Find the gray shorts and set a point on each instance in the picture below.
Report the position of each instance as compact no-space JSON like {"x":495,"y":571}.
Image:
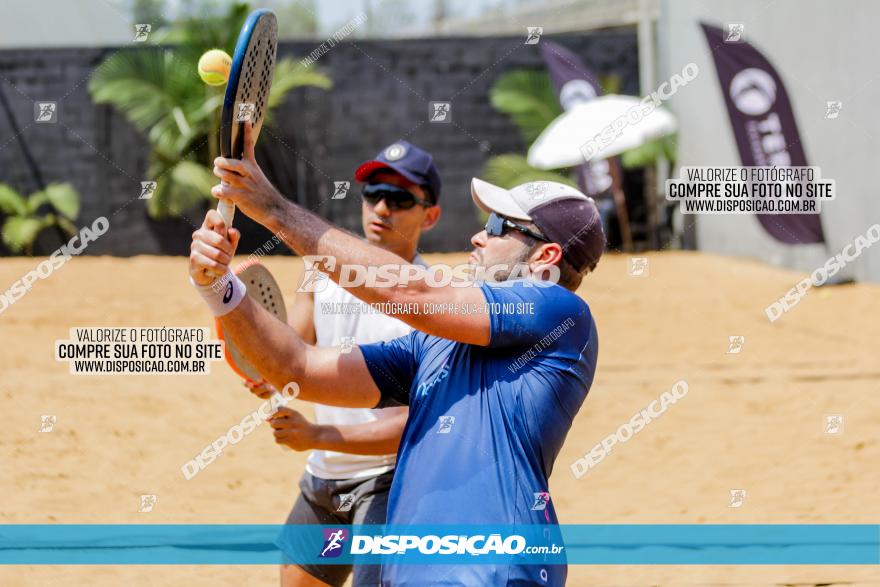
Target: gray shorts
{"x":319,"y":502}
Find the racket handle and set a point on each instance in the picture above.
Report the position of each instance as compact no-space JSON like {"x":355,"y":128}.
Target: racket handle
{"x":227,"y":212}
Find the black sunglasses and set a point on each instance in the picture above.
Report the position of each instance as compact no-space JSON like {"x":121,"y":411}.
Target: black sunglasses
{"x":396,"y":198}
{"x":498,"y":225}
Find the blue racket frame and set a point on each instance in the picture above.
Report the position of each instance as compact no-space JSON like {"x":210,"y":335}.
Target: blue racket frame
{"x":231,"y":145}
{"x":250,"y":80}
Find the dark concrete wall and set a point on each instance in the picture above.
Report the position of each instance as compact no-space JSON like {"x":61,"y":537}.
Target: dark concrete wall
{"x":381,"y":93}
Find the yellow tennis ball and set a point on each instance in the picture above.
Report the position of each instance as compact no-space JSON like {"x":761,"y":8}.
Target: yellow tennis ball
{"x":214,"y":67}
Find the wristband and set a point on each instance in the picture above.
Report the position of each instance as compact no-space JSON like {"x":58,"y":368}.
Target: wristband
{"x":224,"y":295}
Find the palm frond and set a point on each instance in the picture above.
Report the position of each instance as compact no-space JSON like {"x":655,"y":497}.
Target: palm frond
{"x":20,"y":232}
{"x":290,"y":74}
{"x":23,"y":222}
{"x":153,"y":87}
{"x":527,"y":96}
{"x":35,"y":200}
{"x":181,"y":188}
{"x":511,"y":170}
{"x":11,"y":202}
{"x":63,"y":198}
{"x":158,"y":90}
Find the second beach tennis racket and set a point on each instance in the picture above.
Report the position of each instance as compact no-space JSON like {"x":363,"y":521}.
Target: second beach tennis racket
{"x":262,"y":287}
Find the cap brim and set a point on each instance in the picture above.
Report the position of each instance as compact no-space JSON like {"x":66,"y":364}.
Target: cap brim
{"x":367,"y":169}
{"x":492,"y":198}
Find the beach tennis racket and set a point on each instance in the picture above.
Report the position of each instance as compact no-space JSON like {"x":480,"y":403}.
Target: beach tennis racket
{"x":247,"y":90}
{"x":264,"y":290}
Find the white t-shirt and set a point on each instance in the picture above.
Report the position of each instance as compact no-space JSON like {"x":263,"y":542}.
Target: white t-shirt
{"x":339,"y":315}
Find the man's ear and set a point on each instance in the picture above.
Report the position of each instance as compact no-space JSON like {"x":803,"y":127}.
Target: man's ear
{"x":547,"y":254}
{"x":432,"y":217}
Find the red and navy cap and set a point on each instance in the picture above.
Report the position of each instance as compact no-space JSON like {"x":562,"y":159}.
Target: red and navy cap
{"x":562,"y":214}
{"x":409,"y":161}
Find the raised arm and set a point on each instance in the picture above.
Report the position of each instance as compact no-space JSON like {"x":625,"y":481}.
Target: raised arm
{"x":275,"y":349}
{"x":292,"y":429}
{"x":308,"y":234}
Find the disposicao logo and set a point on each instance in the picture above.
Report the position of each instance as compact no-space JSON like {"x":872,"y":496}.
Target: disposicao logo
{"x":333,"y":542}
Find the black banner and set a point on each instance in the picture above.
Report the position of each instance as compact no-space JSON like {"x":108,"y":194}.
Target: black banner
{"x":763,"y":124}
{"x":574,"y":84}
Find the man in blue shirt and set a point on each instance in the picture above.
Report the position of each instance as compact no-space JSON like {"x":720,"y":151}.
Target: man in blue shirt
{"x":493,"y":381}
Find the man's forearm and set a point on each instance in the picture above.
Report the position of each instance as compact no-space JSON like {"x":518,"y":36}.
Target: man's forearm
{"x":275,"y":350}
{"x":308,"y":234}
{"x":245,"y":184}
{"x":380,"y":437}
{"x":271,"y":346}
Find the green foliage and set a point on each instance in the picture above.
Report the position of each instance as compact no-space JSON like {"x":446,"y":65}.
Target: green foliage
{"x":647,"y":154}
{"x":510,"y":170}
{"x":288,"y":75}
{"x":527,"y":96}
{"x":62,"y":197}
{"x":182,"y":187}
{"x":24,"y":223}
{"x":163,"y":100}
{"x":159,"y":91}
{"x":11,"y":202}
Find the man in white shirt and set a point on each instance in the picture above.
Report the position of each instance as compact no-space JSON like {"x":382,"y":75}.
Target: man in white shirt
{"x":349,"y":471}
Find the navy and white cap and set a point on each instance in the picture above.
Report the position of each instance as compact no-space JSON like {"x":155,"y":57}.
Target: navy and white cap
{"x":562,"y":214}
{"x":411,"y":162}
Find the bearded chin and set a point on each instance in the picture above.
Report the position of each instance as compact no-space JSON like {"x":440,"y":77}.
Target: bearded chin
{"x":515,"y":268}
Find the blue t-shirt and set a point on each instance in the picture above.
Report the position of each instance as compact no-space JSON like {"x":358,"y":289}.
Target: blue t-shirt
{"x":486,"y":423}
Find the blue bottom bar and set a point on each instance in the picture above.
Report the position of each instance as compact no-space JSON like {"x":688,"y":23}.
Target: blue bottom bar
{"x":235,"y":544}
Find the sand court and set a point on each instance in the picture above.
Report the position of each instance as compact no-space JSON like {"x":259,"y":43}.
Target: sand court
{"x":753,"y":419}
